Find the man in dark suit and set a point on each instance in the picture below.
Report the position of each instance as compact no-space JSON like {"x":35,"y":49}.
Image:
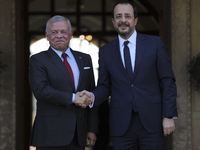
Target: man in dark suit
{"x":59,"y":123}
{"x":136,"y":72}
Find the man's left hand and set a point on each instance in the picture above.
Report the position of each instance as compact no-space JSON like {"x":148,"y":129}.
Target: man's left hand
{"x":168,"y":126}
{"x":91,"y":139}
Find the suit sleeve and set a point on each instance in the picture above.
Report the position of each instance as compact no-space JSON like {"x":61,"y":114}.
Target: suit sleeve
{"x":167,"y":80}
{"x":41,"y":87}
{"x":102,"y":92}
{"x":92,"y":112}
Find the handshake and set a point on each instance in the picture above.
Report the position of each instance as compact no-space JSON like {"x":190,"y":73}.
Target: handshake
{"x":83,"y":99}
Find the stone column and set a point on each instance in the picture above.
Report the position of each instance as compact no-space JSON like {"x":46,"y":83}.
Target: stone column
{"x":7,"y":79}
{"x":181,"y":51}
{"x":195,"y":48}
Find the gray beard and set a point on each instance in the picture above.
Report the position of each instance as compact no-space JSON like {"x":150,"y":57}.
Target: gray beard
{"x":124,"y":34}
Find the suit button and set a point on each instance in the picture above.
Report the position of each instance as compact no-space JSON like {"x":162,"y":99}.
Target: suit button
{"x":130,"y":101}
{"x":132,"y":85}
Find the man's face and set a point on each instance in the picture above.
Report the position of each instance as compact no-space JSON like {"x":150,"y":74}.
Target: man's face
{"x":59,"y":35}
{"x":124,"y":21}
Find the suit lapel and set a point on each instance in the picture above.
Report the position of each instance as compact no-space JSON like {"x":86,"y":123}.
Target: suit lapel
{"x":58,"y":62}
{"x":79,"y":62}
{"x":140,"y":49}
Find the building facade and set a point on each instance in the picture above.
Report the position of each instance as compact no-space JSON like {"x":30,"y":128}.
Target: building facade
{"x":178,"y":25}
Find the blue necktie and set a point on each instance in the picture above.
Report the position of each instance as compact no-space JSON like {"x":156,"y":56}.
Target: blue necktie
{"x":127,"y":59}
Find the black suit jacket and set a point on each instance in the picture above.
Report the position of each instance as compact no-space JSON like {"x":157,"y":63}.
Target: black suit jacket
{"x":152,"y":85}
{"x":57,"y":117}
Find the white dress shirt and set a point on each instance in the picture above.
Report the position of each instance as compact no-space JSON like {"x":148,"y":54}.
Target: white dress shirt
{"x":132,"y":47}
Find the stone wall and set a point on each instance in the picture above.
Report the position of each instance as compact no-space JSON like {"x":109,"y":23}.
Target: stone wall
{"x":7,"y":79}
{"x":185,"y":43}
{"x":195,"y":48}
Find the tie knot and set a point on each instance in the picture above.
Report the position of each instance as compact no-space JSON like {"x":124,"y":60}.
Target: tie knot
{"x":126,"y":43}
{"x":64,"y":55}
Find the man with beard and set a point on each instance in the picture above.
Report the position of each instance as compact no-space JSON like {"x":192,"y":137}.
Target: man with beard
{"x":135,"y":70}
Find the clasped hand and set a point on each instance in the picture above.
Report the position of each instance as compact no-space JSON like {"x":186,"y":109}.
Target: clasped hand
{"x":83,"y":99}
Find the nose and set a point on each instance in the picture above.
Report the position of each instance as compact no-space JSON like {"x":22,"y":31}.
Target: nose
{"x":59,"y":34}
{"x":123,"y":19}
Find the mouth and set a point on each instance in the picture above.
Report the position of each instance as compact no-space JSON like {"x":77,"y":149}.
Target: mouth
{"x":59,"y":41}
{"x":123,"y":25}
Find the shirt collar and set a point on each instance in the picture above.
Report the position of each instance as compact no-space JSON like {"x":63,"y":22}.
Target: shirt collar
{"x":59,"y":53}
{"x":131,"y":39}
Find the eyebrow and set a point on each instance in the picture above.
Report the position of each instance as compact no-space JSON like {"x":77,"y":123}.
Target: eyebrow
{"x":122,"y":14}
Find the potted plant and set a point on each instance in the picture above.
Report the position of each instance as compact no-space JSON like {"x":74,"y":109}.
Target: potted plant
{"x":194,"y":71}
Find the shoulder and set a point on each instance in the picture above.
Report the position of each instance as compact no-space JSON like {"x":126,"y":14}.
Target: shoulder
{"x":40,"y":54}
{"x":74,"y":52}
{"x":109,"y":47}
{"x":148,"y":37}
{"x":110,"y":44}
{"x":81,"y":55}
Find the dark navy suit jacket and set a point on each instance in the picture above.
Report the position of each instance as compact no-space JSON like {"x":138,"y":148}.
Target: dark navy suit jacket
{"x":57,"y":117}
{"x":152,"y":85}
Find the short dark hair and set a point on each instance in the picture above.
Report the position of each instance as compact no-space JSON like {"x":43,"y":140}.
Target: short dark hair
{"x":125,"y":3}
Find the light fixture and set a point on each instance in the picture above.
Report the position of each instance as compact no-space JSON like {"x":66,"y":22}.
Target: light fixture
{"x":89,"y":38}
{"x":81,"y":37}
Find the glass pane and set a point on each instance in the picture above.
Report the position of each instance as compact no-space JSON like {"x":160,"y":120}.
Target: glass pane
{"x":65,"y":5}
{"x":72,"y":19}
{"x":91,"y":23}
{"x":38,"y":22}
{"x":39,"y":5}
{"x":90,"y":5}
{"x":110,"y":4}
{"x":109,"y":24}
{"x":146,"y":23}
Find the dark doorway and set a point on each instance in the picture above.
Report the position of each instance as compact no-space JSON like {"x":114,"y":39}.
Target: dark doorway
{"x":87,"y":18}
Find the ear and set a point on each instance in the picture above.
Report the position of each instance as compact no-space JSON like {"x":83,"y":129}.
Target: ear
{"x":71,"y":34}
{"x":136,"y":20}
{"x":113,"y":21}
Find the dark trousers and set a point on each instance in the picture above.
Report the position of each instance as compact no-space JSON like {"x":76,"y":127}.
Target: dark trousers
{"x":138,"y":138}
{"x":72,"y":146}
{"x":103,"y":127}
